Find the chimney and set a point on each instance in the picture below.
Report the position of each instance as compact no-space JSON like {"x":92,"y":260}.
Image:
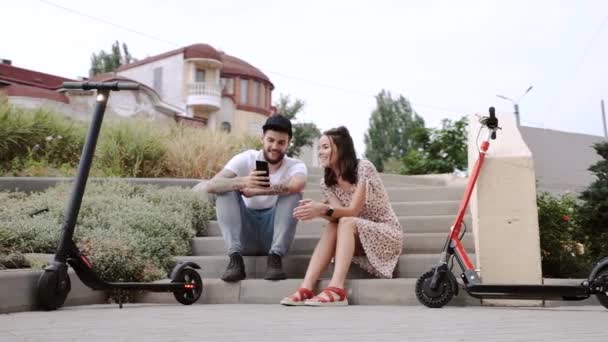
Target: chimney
{"x":5,"y":61}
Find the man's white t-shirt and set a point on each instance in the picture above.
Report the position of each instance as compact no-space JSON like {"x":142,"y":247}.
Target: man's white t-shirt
{"x":243,"y":163}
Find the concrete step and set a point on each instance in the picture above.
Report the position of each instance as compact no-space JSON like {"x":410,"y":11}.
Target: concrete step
{"x":313,"y":181}
{"x":409,"y":266}
{"x":410,"y":224}
{"x":426,"y":208}
{"x":412,"y":194}
{"x":259,"y":291}
{"x":433,"y":179}
{"x":305,"y":244}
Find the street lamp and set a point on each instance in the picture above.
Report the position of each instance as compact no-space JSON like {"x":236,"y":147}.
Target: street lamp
{"x":515,"y":103}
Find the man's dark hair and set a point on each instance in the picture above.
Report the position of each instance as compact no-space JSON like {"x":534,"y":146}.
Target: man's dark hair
{"x":279,"y":123}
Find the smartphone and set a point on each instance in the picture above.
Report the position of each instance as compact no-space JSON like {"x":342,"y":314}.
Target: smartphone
{"x":261,"y":165}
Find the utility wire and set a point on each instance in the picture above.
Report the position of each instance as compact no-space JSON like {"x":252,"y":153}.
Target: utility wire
{"x":319,"y":84}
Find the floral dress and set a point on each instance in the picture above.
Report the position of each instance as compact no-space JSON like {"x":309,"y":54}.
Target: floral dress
{"x":378,"y":227}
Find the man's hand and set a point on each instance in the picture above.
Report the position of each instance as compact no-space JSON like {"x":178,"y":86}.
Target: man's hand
{"x":309,"y":209}
{"x":251,"y":192}
{"x":256,"y":180}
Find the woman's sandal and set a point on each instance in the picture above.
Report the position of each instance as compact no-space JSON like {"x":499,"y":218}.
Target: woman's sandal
{"x":330,"y":293}
{"x":292,"y":300}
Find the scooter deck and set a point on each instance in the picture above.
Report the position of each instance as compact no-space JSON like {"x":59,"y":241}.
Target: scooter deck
{"x":524,"y":291}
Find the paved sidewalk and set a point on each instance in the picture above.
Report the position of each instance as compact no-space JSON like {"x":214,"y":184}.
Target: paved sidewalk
{"x":149,"y":322}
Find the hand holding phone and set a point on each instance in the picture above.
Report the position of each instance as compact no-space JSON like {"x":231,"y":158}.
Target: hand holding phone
{"x":262,"y":166}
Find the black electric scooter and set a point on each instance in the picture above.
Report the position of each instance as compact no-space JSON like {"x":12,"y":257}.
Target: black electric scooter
{"x":436,"y":287}
{"x":54,"y":283}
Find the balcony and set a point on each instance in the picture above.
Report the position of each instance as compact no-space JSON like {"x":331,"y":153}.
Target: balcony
{"x":204,"y":94}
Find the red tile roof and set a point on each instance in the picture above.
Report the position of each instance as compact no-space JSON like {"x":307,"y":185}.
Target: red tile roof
{"x":191,"y":51}
{"x":237,"y":67}
{"x":13,"y":74}
{"x":36,"y":92}
{"x":232,"y":66}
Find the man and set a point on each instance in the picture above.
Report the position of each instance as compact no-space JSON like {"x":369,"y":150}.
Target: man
{"x":255,"y":212}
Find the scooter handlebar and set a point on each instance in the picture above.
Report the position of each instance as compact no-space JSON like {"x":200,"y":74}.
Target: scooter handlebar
{"x":114,"y":85}
{"x":491,"y":122}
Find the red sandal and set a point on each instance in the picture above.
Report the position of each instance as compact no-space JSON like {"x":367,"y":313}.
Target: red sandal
{"x":305,"y":294}
{"x":329,"y":293}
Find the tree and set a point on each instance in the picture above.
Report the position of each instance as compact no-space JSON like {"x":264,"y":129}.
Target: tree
{"x":106,"y":62}
{"x":304,"y":133}
{"x":440,"y":150}
{"x":594,"y":207}
{"x":392,"y":127}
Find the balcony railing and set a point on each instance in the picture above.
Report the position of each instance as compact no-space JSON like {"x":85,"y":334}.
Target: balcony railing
{"x":204,"y":88}
{"x":204,"y":94}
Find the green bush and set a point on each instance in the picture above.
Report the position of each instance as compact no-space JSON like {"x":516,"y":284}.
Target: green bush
{"x":131,"y":148}
{"x":563,"y":240}
{"x":44,"y":143}
{"x":37,"y":137}
{"x":130,"y":232}
{"x":594,"y":208}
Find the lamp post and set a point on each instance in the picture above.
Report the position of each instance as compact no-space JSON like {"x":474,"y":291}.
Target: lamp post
{"x":515,"y":103}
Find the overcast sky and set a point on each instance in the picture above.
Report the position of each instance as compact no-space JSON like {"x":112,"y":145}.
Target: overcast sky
{"x":449,"y":58}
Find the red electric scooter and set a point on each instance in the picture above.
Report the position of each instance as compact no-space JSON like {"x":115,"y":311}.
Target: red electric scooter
{"x":437,"y":287}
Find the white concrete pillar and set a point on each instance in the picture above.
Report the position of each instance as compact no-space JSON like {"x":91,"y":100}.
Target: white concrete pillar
{"x":503,"y":208}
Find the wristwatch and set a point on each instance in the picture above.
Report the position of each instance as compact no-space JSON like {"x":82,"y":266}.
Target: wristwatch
{"x":329,"y":211}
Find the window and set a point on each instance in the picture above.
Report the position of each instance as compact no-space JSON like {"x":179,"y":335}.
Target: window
{"x":158,"y":80}
{"x":199,"y":76}
{"x":225,"y":127}
{"x":262,"y":95}
{"x":243,"y":91}
{"x":256,"y":87}
{"x":228,"y":85}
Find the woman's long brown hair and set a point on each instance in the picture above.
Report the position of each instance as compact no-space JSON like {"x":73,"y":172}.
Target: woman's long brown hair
{"x":347,"y":158}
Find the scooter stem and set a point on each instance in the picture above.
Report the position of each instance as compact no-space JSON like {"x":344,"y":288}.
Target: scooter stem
{"x":86,"y":158}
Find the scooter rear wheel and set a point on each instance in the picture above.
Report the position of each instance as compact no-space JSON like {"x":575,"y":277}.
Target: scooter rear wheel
{"x":189,"y":295}
{"x":53,"y":288}
{"x":602,"y":297}
{"x":434,"y":298}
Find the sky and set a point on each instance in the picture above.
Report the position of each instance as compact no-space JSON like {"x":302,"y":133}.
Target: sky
{"x":448,"y":58}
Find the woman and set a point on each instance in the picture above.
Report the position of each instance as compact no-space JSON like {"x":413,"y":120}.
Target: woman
{"x":362,"y":227}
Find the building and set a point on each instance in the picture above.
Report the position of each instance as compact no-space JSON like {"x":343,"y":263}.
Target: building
{"x":561,"y":159}
{"x":196,"y":84}
{"x":211,"y":87}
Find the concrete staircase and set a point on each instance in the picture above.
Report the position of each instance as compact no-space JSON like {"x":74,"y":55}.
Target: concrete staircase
{"x":426,"y":206}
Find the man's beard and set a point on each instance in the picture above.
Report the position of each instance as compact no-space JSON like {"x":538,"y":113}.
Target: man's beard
{"x":273,"y":161}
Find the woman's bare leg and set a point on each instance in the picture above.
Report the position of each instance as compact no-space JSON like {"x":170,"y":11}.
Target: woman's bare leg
{"x":320,"y":258}
{"x":345,"y":250}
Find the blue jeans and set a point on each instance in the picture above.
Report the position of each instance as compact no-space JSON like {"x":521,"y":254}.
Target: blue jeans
{"x":256,"y":232}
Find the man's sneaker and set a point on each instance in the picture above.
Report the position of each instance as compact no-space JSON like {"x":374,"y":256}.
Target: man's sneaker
{"x":235,"y":270}
{"x":274,"y":268}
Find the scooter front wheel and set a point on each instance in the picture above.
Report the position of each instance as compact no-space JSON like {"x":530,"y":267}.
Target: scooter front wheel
{"x":434,"y":298}
{"x":53,"y":287}
{"x":192,"y":289}
{"x":602,"y":297}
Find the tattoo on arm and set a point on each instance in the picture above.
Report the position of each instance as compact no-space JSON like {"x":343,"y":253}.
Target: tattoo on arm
{"x":280,"y":188}
{"x":224,"y":181}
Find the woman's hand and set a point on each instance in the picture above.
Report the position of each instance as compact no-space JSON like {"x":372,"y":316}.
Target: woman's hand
{"x":309,"y":209}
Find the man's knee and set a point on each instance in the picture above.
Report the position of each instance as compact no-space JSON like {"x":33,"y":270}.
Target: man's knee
{"x":290,"y":200}
{"x":227,"y":197}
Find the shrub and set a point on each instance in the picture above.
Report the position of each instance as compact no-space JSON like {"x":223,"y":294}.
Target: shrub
{"x":131,"y":148}
{"x":130,"y":232}
{"x":43,"y":143}
{"x":594,"y":208}
{"x":563,"y":241}
{"x":196,"y":153}
{"x":37,"y":136}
